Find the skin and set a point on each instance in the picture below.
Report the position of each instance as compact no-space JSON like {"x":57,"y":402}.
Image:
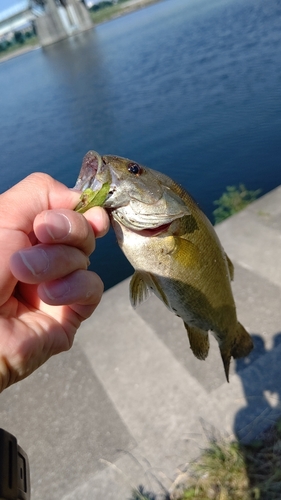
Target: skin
{"x":46,"y":290}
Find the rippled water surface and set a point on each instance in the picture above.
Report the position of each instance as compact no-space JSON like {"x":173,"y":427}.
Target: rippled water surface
{"x":188,"y":87}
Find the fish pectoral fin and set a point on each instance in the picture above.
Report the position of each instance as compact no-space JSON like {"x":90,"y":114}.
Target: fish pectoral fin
{"x":198,"y":340}
{"x":186,"y":253}
{"x":139,"y":290}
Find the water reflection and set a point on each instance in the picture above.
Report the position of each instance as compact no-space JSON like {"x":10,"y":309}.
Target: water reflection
{"x":83,"y":88}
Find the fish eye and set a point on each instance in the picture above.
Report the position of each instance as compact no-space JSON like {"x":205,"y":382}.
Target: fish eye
{"x":134,"y":168}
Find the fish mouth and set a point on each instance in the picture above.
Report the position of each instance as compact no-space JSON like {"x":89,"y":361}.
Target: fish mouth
{"x":153,"y":231}
{"x":94,"y":165}
{"x":90,"y":166}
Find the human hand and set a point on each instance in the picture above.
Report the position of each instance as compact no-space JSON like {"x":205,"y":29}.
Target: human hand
{"x":46,"y":290}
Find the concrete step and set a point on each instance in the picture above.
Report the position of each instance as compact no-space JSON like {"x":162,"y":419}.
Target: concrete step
{"x":252,"y":238}
{"x":225,"y":410}
{"x":129,"y":404}
{"x":161,"y":374}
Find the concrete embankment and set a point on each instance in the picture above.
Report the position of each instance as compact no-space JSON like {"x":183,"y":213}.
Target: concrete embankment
{"x":129,"y":404}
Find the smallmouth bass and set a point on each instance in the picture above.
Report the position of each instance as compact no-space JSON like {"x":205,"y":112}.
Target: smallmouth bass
{"x":174,"y":250}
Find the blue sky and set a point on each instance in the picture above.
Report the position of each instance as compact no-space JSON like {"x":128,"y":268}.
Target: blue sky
{"x":5,"y":4}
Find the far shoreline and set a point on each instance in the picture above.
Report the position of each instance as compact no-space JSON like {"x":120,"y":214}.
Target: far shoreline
{"x":127,"y":8}
{"x":19,"y":52}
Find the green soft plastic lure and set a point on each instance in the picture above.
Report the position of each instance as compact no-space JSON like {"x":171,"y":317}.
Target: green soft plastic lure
{"x":90,"y":198}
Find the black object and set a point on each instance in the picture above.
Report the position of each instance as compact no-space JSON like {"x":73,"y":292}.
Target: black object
{"x":14,"y":469}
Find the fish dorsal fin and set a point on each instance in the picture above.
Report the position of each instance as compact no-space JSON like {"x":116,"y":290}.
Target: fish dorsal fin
{"x":139,"y":291}
{"x":230,"y":267}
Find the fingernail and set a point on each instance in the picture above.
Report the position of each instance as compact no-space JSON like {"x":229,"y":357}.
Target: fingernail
{"x":58,"y":225}
{"x":56,"y":289}
{"x":35,"y":259}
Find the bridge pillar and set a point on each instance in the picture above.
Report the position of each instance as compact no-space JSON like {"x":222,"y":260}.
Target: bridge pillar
{"x":58,"y":22}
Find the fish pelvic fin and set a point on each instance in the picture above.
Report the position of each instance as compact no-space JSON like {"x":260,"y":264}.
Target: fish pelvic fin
{"x":242,"y":347}
{"x":198,"y":340}
{"x":142,"y":285}
{"x":139,"y":290}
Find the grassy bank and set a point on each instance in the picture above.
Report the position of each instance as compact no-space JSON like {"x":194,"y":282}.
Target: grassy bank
{"x":17,"y":49}
{"x":101,"y":15}
{"x":228,"y":470}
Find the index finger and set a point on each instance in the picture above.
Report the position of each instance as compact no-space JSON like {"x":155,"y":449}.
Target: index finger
{"x":71,"y":228}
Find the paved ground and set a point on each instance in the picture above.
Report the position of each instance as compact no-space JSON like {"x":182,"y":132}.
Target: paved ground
{"x":130,"y":405}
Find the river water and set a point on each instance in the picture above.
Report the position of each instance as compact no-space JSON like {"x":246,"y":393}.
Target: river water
{"x":188,"y":87}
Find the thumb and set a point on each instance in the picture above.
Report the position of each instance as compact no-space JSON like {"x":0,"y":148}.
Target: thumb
{"x":37,"y":192}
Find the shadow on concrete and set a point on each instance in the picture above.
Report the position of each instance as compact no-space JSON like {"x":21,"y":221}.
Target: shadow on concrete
{"x":255,"y":425}
{"x":259,"y":439}
{"x":262,"y":391}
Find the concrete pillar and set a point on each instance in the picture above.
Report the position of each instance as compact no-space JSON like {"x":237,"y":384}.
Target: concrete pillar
{"x":60,"y":22}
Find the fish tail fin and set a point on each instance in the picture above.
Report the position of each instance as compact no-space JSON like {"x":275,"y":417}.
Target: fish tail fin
{"x":226,"y":357}
{"x":242,"y":347}
{"x":198,"y":340}
{"x":243,"y":343}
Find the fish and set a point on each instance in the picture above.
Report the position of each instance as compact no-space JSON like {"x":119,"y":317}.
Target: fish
{"x":174,"y":250}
